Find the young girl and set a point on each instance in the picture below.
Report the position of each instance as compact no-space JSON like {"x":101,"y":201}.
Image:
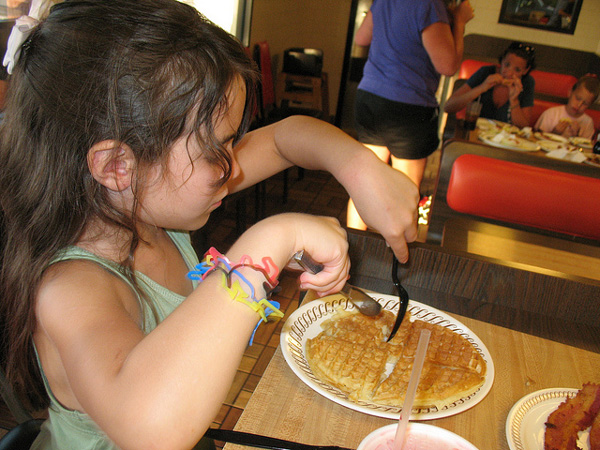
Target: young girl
{"x":124,"y":130}
{"x":506,"y":90}
{"x":570,"y":120}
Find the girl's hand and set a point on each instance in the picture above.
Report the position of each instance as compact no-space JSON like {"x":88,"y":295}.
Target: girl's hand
{"x":387,"y":201}
{"x":280,"y":236}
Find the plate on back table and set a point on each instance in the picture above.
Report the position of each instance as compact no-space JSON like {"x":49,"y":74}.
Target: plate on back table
{"x":550,"y":137}
{"x":305,"y":323}
{"x":581,"y":142}
{"x":509,"y":141}
{"x":549,"y":146}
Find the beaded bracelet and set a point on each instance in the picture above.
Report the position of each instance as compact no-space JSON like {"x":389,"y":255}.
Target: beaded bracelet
{"x":214,"y":261}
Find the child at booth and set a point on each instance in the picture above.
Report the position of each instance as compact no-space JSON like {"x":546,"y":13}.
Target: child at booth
{"x":570,"y":120}
{"x":125,"y":127}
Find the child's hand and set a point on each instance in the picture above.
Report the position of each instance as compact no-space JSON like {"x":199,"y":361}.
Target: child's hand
{"x":325,"y":240}
{"x":280,"y":236}
{"x":387,"y":201}
{"x":573,"y":129}
{"x":563,"y":128}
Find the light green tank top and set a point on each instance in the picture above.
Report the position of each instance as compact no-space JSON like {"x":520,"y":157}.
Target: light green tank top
{"x":66,"y":429}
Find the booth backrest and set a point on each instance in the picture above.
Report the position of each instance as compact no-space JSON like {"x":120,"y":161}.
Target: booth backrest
{"x":469,"y":66}
{"x":595,"y":115}
{"x":555,"y":84}
{"x":526,"y":195}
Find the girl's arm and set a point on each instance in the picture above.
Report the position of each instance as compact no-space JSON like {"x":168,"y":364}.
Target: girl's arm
{"x":162,"y":390}
{"x":385,"y":198}
{"x":445,"y":45}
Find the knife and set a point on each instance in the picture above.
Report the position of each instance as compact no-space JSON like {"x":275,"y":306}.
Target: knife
{"x":257,"y":440}
{"x":363,"y":301}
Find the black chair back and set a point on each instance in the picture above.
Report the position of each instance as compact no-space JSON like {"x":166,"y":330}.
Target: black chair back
{"x":22,"y":436}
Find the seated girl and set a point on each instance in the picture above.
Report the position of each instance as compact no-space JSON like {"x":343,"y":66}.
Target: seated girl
{"x":505,"y":90}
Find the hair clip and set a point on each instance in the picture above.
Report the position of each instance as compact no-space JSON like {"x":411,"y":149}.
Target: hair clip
{"x":23,"y":27}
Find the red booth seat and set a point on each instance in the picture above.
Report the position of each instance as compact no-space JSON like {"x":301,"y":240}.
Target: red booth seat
{"x":526,"y":195}
{"x":555,"y":84}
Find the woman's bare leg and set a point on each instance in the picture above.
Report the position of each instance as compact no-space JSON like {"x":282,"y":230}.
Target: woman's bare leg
{"x":353,"y":219}
{"x":412,"y":168}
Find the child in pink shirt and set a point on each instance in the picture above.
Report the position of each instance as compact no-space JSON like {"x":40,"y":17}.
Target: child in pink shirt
{"x":570,"y":120}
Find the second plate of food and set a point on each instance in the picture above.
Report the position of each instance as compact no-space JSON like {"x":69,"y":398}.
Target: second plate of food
{"x":305,"y":324}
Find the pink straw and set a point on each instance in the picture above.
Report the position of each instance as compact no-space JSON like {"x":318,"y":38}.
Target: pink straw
{"x":411,"y":391}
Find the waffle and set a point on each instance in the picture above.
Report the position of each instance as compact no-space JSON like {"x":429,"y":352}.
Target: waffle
{"x":351,"y":354}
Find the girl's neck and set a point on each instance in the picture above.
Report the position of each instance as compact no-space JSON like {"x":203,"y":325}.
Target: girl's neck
{"x":112,"y":242}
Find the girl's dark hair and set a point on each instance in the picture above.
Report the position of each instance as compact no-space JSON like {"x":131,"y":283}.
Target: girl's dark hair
{"x":135,"y":71}
{"x":525,"y":51}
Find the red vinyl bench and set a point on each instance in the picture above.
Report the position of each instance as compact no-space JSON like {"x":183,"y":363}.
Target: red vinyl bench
{"x":526,"y":195}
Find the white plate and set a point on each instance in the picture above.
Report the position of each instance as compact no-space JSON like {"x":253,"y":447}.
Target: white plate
{"x":581,"y":142}
{"x":525,"y":424}
{"x":592,"y":159}
{"x":487,"y":125}
{"x":305,"y":323}
{"x":548,"y":146}
{"x":554,"y":137}
{"x":514,"y":143}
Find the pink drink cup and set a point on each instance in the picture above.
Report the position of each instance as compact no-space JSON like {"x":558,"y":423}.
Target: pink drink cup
{"x":419,"y":436}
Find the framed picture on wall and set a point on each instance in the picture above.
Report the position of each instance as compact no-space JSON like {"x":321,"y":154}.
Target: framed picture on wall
{"x":552,"y":15}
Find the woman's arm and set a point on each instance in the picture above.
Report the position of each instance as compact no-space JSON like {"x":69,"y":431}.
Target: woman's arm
{"x":385,"y":198}
{"x":364,"y":34}
{"x":519,"y":116}
{"x":445,"y":45}
{"x":465,"y":94}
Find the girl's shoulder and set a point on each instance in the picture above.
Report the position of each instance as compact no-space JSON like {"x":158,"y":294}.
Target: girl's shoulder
{"x":81,"y":281}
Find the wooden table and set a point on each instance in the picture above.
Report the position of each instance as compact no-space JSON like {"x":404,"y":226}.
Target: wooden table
{"x":283,"y":406}
{"x":462,"y":133}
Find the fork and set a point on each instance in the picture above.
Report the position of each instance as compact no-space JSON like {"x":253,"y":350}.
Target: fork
{"x":402,"y":295}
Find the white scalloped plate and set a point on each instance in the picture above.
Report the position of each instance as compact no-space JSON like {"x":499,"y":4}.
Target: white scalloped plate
{"x":525,"y":424}
{"x":305,"y":323}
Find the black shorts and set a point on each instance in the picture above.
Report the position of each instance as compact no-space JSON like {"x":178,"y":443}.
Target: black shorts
{"x":408,"y":131}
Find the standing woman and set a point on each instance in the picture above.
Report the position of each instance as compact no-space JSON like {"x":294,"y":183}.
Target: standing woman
{"x":411,"y":45}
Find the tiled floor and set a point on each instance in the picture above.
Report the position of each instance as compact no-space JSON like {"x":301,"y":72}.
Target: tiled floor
{"x":316,"y":193}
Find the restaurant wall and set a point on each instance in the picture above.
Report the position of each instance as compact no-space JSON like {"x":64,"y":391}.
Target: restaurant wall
{"x":586,"y":36}
{"x":308,"y":23}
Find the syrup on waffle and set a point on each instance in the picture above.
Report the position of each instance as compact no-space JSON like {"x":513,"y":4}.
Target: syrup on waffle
{"x":352,"y":355}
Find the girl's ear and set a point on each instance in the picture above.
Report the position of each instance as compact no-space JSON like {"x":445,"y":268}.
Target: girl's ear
{"x":111,"y":163}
